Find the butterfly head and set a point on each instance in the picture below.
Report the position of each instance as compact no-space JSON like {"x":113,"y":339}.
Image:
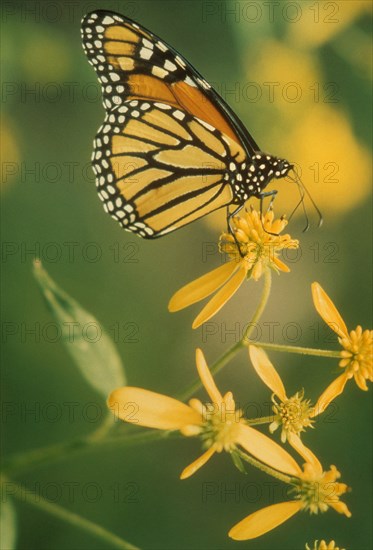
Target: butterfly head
{"x":262,"y":169}
{"x":282,"y":168}
{"x":268,"y":167}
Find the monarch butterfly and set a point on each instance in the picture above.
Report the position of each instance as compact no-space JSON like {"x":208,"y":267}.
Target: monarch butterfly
{"x":170,"y":150}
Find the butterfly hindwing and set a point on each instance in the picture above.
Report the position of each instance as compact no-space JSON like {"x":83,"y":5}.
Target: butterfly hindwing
{"x":158,"y":168}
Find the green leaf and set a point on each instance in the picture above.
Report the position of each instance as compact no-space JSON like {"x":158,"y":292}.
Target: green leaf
{"x":8,"y":525}
{"x":91,"y":348}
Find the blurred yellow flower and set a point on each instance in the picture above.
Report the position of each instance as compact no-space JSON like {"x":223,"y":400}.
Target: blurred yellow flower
{"x":9,"y":150}
{"x":322,"y":545}
{"x":315,"y":491}
{"x":219,"y":424}
{"x":259,"y":243}
{"x":357,"y":356}
{"x":303,"y":122}
{"x":333,"y":165}
{"x":284,"y":88}
{"x":320,"y":22}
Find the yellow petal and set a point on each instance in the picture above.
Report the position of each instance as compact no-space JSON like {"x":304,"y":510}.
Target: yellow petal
{"x":150,"y":409}
{"x":327,"y":310}
{"x":202,"y":287}
{"x":197,"y":464}
{"x":332,"y":391}
{"x":280,"y":265}
{"x":267,"y":371}
{"x":264,"y":520}
{"x":207,"y":379}
{"x":266,"y":450}
{"x":221,"y":297}
{"x":197,"y":405}
{"x":340,"y":507}
{"x":305,"y":452}
{"x":360,"y":381}
{"x":229,"y":404}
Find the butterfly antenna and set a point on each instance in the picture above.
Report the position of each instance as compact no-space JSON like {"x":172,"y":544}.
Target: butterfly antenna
{"x":304,"y":191}
{"x":302,"y":195}
{"x":298,"y":204}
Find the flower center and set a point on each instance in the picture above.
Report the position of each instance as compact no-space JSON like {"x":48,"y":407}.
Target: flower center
{"x":257,"y":242}
{"x":357,"y":354}
{"x":220,"y":426}
{"x":318,"y":491}
{"x":293,"y":415}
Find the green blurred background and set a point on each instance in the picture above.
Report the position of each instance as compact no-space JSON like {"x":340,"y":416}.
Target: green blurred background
{"x":298,"y":74}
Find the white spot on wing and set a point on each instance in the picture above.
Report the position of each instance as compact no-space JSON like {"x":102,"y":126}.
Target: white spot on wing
{"x":107,"y":20}
{"x":160,"y":73}
{"x":145,"y":53}
{"x":206,"y":125}
{"x":147,"y":43}
{"x":179,"y":115}
{"x":169,"y":66}
{"x":162,"y":46}
{"x":189,"y":81}
{"x":114,"y":77}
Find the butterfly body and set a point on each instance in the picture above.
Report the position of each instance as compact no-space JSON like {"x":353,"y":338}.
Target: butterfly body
{"x":170,"y":149}
{"x":250,"y":180}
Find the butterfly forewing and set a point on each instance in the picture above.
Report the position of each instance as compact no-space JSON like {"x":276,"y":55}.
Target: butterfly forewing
{"x":131,"y":62}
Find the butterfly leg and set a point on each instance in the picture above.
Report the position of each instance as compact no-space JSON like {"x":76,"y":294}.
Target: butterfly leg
{"x":262,"y":196}
{"x":228,"y":225}
{"x":230,"y":216}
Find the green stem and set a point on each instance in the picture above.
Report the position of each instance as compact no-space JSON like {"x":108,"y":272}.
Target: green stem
{"x":53,"y":452}
{"x":262,"y":304}
{"x":259,"y":421}
{"x":263,"y":467}
{"x":25,"y":495}
{"x":231,"y":352}
{"x":297,"y":349}
{"x":24,"y":461}
{"x":216,"y":367}
{"x":107,"y":425}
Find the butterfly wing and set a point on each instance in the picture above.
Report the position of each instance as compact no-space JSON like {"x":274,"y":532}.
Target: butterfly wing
{"x":162,"y":156}
{"x":165,"y":168}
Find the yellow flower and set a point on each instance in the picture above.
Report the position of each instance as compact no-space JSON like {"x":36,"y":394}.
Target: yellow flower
{"x":315,"y":491}
{"x":219,"y":424}
{"x":259,"y":243}
{"x":356,"y":357}
{"x":294,"y":414}
{"x":322,"y":545}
